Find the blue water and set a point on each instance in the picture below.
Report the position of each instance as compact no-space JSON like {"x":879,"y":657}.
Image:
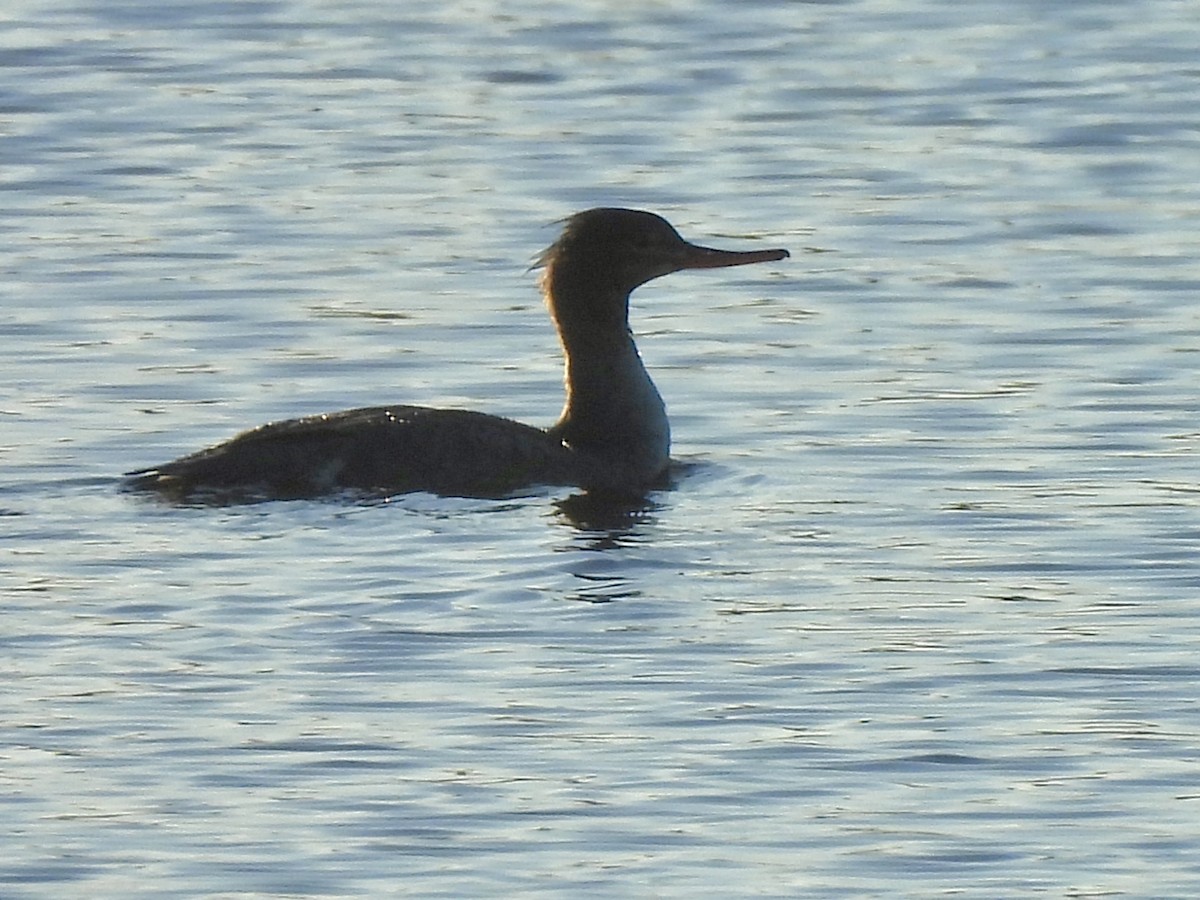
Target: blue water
{"x":919,"y":616}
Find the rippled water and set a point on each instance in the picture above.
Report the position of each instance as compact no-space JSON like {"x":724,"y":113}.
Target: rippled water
{"x":920,"y":613}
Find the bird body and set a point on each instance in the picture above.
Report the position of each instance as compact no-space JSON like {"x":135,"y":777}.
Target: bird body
{"x":613,"y":435}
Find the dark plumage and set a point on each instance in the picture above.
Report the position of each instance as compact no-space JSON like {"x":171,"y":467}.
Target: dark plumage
{"x":612,"y":436}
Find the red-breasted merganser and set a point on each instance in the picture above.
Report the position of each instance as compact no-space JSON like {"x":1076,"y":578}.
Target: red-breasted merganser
{"x":612,"y":437}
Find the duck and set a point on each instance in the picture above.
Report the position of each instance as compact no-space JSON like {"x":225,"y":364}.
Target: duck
{"x":612,"y":438}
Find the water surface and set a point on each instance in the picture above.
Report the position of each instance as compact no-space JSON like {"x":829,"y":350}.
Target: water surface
{"x":919,"y":614}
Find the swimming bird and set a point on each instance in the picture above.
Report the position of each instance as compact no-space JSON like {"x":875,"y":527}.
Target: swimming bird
{"x":612,"y":437}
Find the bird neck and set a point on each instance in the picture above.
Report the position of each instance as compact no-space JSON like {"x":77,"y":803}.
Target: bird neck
{"x":613,"y":410}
